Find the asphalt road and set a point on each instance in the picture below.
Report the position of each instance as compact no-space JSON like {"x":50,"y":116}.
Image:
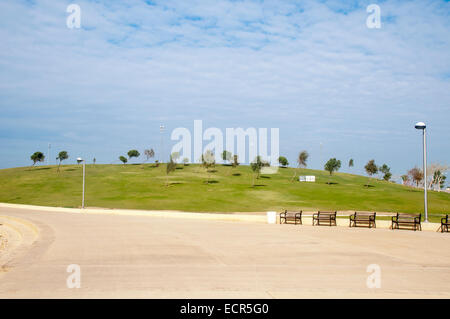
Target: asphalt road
{"x":154,"y":257}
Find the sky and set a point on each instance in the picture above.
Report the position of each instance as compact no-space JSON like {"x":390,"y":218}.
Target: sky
{"x":313,"y":69}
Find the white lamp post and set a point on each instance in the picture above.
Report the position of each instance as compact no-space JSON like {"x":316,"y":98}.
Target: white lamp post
{"x":79,"y":160}
{"x":422,"y":126}
{"x":161,"y":153}
{"x":48,"y":155}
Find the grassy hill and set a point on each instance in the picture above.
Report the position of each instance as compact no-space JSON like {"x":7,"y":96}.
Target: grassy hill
{"x":230,"y":190}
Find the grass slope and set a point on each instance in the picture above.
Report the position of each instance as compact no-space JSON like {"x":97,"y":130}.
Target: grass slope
{"x":143,"y":187}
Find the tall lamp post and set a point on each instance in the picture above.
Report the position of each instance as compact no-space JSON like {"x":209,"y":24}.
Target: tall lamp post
{"x":79,"y":160}
{"x":161,"y":154}
{"x":422,"y":126}
{"x":48,"y":155}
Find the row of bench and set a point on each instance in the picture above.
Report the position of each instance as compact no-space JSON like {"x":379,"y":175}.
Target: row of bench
{"x":359,"y":219}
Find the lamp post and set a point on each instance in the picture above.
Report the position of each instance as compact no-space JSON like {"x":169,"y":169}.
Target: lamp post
{"x":422,"y":126}
{"x":161,"y":154}
{"x":48,"y":155}
{"x":79,"y":160}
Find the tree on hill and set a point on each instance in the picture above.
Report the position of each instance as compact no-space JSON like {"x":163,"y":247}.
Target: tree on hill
{"x":371,"y":169}
{"x":256,"y":166}
{"x":416,"y":175}
{"x":61,"y":157}
{"x":350,"y":163}
{"x":405,"y":179}
{"x":208,"y":162}
{"x":386,"y":170}
{"x":333,"y":165}
{"x":439,"y":180}
{"x":302,"y":158}
{"x":235,"y":161}
{"x":123,"y":159}
{"x":175,"y":156}
{"x":283,"y":161}
{"x":133,"y":153}
{"x":171,"y":166}
{"x":436,"y":175}
{"x":226,"y":156}
{"x":149,"y":153}
{"x":37,"y":157}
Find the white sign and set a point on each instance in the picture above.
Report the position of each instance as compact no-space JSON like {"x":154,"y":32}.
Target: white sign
{"x":307,"y":178}
{"x":271,"y":217}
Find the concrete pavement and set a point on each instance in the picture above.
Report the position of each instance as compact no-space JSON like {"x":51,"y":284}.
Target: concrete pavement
{"x":156,"y":257}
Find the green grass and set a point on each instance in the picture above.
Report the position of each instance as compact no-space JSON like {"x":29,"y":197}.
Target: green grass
{"x":143,"y":187}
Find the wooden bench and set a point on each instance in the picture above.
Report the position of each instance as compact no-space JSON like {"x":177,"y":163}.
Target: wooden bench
{"x":444,"y":224}
{"x":327,"y":218}
{"x":363,"y":220}
{"x":407,"y":221}
{"x":291,"y":217}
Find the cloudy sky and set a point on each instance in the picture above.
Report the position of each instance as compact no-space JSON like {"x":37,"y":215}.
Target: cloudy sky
{"x":313,"y":69}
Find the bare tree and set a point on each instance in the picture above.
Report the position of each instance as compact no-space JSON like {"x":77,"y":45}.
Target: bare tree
{"x":416,"y":175}
{"x":149,"y":153}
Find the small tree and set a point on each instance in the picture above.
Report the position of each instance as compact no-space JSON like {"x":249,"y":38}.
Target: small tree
{"x":175,"y":156}
{"x":416,"y":175}
{"x":436,"y":173}
{"x":301,"y":161}
{"x":256,"y":166}
{"x":386,"y":172}
{"x":61,"y":157}
{"x":226,"y":156}
{"x":235,"y":161}
{"x":333,"y":165}
{"x":171,"y":166}
{"x":283,"y":161}
{"x":133,"y":153}
{"x":350,"y":163}
{"x":405,"y":179}
{"x":371,"y":169}
{"x":439,"y":180}
{"x":149,"y":153}
{"x":123,"y":159}
{"x":208,"y":161}
{"x":94,"y":160}
{"x":37,"y":157}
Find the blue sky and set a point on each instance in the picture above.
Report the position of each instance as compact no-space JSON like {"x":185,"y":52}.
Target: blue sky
{"x":311,"y":68}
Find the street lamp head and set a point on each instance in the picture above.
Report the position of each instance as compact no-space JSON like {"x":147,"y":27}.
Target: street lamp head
{"x":420,"y":126}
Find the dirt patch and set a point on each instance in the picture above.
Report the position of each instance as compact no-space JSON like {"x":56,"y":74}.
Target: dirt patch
{"x":3,"y":242}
